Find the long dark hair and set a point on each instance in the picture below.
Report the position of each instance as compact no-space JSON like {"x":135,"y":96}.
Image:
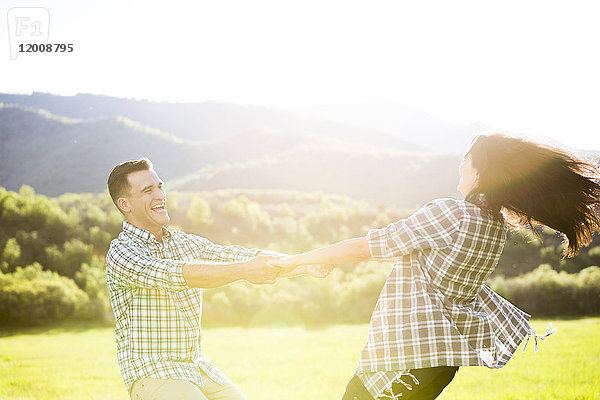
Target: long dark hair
{"x":534,"y":184}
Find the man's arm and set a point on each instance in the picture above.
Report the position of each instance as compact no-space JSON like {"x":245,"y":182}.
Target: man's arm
{"x":216,"y":252}
{"x":132,"y":267}
{"x":205,"y":275}
{"x":207,"y":250}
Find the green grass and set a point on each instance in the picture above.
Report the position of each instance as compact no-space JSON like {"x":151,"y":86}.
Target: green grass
{"x":280,"y":363}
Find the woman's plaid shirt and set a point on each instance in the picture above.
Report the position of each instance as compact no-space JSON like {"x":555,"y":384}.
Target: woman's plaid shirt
{"x":157,"y":315}
{"x":434,"y":309}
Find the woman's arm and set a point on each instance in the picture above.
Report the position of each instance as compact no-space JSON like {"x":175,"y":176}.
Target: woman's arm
{"x":347,"y":251}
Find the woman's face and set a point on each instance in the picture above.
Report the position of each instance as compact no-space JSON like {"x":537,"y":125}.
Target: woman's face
{"x":468,"y":175}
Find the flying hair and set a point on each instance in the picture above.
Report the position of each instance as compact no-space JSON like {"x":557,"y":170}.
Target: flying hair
{"x":534,"y":184}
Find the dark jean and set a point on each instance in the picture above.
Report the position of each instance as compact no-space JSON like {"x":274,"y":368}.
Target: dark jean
{"x":431,"y":383}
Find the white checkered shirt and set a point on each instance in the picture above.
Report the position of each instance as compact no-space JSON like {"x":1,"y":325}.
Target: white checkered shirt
{"x":157,"y":314}
{"x":434,"y":309}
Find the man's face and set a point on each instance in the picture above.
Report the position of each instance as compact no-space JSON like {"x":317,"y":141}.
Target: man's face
{"x":145,"y":206}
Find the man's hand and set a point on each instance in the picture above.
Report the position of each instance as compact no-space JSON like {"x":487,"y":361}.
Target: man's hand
{"x":258,"y":271}
{"x":286,"y":264}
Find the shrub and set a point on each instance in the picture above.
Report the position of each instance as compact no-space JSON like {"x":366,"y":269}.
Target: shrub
{"x":545,"y":292}
{"x":343,"y":297}
{"x":91,"y":278}
{"x":31,"y":296}
{"x":68,"y":260}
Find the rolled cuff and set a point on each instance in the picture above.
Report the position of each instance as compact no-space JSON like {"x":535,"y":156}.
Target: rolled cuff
{"x":378,"y":243}
{"x":248,"y":254}
{"x":175,"y":273}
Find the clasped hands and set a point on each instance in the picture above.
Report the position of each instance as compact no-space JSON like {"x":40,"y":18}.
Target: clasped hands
{"x":267,"y":266}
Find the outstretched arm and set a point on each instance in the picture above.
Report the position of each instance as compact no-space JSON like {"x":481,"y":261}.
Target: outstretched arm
{"x":347,"y":251}
{"x":256,"y":270}
{"x":316,"y":271}
{"x":130,"y":266}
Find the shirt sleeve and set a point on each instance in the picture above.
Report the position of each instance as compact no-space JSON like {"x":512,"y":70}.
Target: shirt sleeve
{"x":129,"y":264}
{"x":214,"y":252}
{"x":434,"y":226}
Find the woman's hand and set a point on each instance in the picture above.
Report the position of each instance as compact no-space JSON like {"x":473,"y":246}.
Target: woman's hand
{"x":316,"y":271}
{"x":290,"y":266}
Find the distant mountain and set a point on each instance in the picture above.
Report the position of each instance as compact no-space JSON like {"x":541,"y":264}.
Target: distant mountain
{"x":379,"y":152}
{"x":57,"y":154}
{"x":405,"y":123}
{"x":202,"y":122}
{"x":405,"y":179}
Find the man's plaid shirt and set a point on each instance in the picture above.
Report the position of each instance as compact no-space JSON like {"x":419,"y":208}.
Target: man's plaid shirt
{"x":434,"y":309}
{"x":157,"y":314}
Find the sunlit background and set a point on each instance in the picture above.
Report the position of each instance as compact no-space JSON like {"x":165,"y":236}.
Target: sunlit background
{"x":526,"y":67}
{"x":312,"y":122}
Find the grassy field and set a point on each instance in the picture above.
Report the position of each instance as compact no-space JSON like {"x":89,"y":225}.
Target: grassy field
{"x":282,"y":363}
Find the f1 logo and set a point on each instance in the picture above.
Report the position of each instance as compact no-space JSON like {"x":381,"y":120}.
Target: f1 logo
{"x":27,"y":25}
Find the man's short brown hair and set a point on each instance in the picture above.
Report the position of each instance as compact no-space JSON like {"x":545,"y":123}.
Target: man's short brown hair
{"x":118,"y":184}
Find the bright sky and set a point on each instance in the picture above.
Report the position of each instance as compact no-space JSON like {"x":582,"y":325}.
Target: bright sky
{"x":522,"y":66}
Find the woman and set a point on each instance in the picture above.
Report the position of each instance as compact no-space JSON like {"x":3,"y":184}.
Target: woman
{"x":434,"y":313}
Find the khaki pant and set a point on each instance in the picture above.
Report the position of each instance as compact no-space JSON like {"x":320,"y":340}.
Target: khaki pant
{"x":174,"y":389}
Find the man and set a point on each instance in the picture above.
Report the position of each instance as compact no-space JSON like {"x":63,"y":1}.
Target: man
{"x":155,"y":279}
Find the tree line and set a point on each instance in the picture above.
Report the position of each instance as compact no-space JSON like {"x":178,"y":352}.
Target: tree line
{"x":52,"y":258}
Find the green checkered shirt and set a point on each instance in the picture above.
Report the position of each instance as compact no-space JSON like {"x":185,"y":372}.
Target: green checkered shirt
{"x":157,"y":314}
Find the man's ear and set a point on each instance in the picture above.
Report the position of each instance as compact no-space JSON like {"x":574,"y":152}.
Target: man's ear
{"x":123,"y":204}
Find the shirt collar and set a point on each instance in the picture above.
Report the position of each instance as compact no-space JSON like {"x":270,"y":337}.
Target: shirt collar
{"x":142,"y":234}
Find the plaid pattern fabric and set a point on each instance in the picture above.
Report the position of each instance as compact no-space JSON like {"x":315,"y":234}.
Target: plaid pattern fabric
{"x":434,"y":309}
{"x":157,"y":315}
{"x":378,"y":384}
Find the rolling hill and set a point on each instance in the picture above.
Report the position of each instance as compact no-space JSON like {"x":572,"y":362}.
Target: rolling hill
{"x":57,"y":154}
{"x":202,"y":121}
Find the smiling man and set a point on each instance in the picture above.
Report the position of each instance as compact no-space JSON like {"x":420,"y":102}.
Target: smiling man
{"x":155,"y":279}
